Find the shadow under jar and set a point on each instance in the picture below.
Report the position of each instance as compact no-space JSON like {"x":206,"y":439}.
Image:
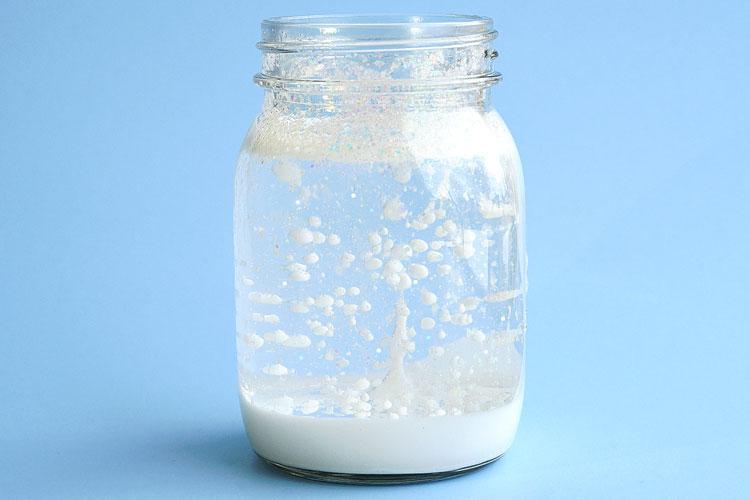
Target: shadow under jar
{"x":380,"y":263}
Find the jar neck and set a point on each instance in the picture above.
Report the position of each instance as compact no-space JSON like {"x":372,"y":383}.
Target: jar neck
{"x":403,"y":61}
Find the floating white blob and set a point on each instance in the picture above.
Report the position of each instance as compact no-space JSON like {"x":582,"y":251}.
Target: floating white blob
{"x":264,"y":318}
{"x":418,"y":271}
{"x":471,"y":303}
{"x":253,"y":341}
{"x":401,"y":173}
{"x":354,"y":291}
{"x":464,"y":250}
{"x":428,"y":298}
{"x":424,"y":219}
{"x":404,"y":281}
{"x":427,"y":323}
{"x":346,"y":260}
{"x":312,"y":258}
{"x":433,"y":256}
{"x":393,"y":266}
{"x":288,"y":173}
{"x":445,"y":315}
{"x":475,"y":334}
{"x":276,"y":369}
{"x":339,"y":291}
{"x":350,"y":309}
{"x":447,"y":228}
{"x":277,"y":336}
{"x":264,"y":298}
{"x":444,"y":269}
{"x":375,"y":239}
{"x":402,"y":252}
{"x":366,"y":335}
{"x":302,"y":236}
{"x":314,"y":221}
{"x":394,"y":209}
{"x":309,"y":407}
{"x":299,"y":307}
{"x":324,"y":301}
{"x":320,"y":329}
{"x":373,"y":263}
{"x":362,"y":384}
{"x":436,"y":351}
{"x":298,"y":272}
{"x":319,"y":238}
{"x":418,"y":246}
{"x":298,"y":341}
{"x":461,"y":319}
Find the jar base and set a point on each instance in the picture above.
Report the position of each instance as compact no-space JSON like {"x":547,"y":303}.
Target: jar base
{"x":375,"y":479}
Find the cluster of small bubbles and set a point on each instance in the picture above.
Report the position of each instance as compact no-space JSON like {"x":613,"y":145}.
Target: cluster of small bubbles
{"x":417,"y":253}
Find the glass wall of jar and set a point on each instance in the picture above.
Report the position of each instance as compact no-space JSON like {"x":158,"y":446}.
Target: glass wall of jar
{"x":379,"y":251}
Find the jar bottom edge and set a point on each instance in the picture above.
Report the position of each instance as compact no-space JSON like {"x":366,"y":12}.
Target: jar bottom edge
{"x":375,"y":479}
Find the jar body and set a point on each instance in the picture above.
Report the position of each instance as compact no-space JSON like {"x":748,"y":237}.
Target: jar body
{"x":380,"y":272}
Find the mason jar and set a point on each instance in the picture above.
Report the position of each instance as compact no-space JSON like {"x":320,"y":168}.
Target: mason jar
{"x":380,"y":263}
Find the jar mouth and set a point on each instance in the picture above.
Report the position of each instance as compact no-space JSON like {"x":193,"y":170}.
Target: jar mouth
{"x":372,"y":32}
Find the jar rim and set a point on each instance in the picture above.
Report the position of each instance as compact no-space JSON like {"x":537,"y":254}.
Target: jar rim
{"x":373,"y":31}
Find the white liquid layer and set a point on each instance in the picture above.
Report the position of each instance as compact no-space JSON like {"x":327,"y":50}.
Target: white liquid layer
{"x":407,"y":445}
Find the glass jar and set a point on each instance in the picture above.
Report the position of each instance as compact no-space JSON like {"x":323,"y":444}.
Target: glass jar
{"x":379,"y":251}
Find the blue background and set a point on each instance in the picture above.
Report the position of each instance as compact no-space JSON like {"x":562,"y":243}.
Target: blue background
{"x":120,"y":126}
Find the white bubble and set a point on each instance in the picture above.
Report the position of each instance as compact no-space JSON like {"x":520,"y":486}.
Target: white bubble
{"x":277,"y":336}
{"x":373,"y":263}
{"x":314,"y":221}
{"x":362,"y":384}
{"x":302,"y":236}
{"x":418,"y":271}
{"x":375,"y":239}
{"x":264,"y":298}
{"x":288,"y":173}
{"x":253,"y":341}
{"x":298,"y":341}
{"x":276,"y":369}
{"x":427,"y":323}
{"x":418,"y":246}
{"x":433,"y":256}
{"x":394,"y":209}
{"x":324,"y":301}
{"x":310,"y":406}
{"x":428,"y":298}
{"x":319,"y":238}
